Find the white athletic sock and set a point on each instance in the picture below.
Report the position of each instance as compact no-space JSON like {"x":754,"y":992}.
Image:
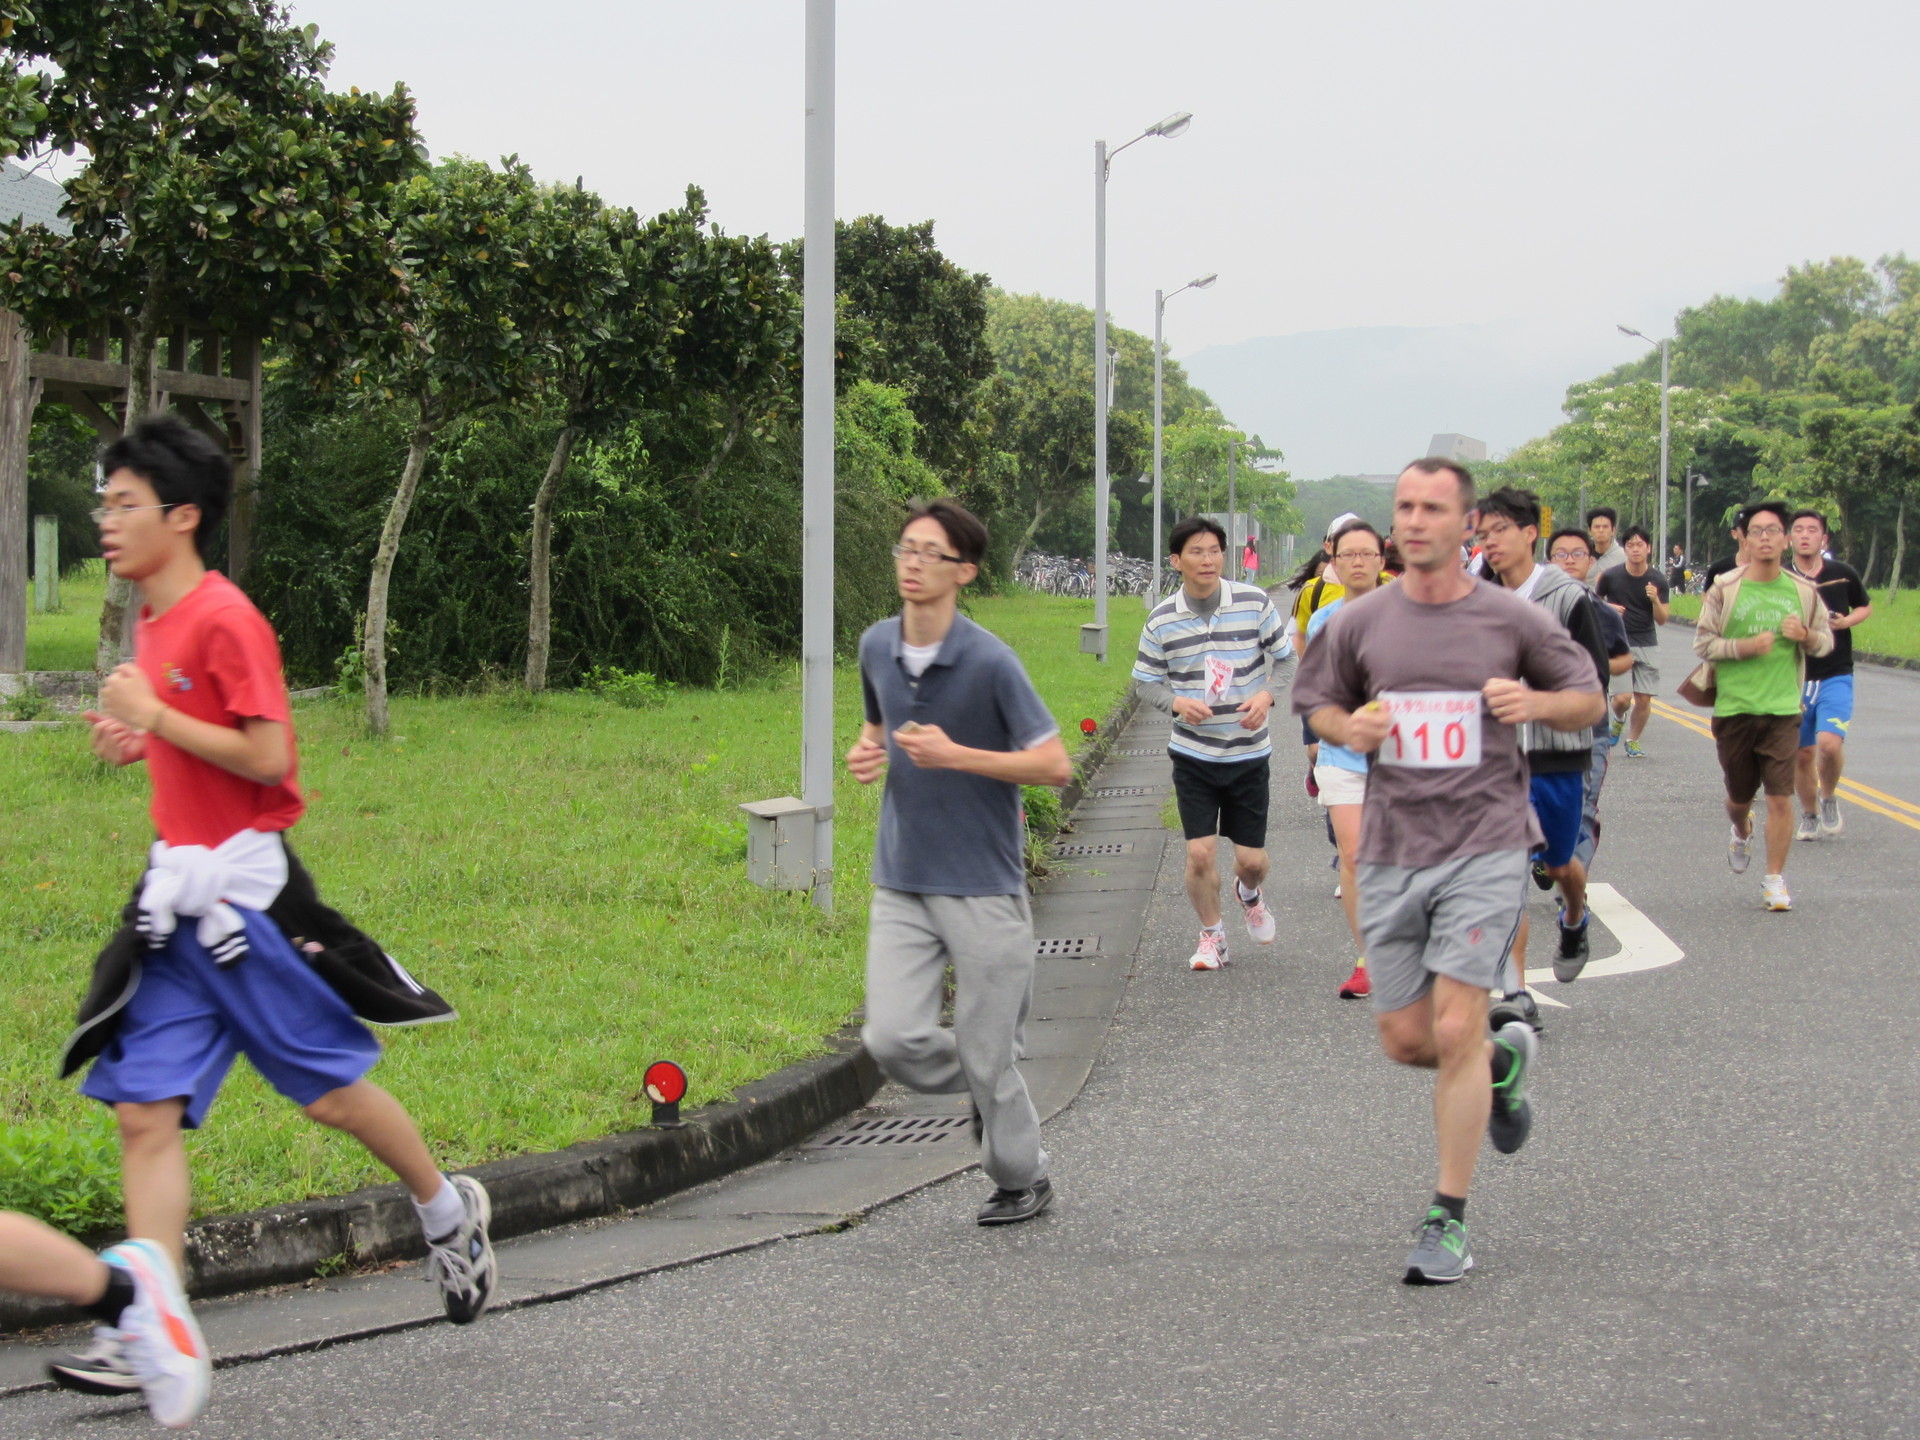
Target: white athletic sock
{"x":1246,"y":897}
{"x":441,"y":1216}
{"x":1219,"y":927}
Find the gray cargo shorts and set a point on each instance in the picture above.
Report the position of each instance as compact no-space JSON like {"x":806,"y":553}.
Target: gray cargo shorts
{"x":1646,"y":669}
{"x":1456,"y":919}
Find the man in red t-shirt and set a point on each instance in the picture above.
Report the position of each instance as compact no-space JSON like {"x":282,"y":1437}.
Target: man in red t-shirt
{"x":206,"y":707}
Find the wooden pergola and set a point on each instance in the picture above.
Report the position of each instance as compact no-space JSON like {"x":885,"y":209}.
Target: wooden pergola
{"x":210,"y":380}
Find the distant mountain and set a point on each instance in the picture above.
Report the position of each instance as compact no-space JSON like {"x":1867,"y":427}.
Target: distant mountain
{"x":1366,"y":400}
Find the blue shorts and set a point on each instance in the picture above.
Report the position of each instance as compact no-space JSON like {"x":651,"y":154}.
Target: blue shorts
{"x":189,"y":1018}
{"x":1826,"y":708}
{"x":1558,"y":800}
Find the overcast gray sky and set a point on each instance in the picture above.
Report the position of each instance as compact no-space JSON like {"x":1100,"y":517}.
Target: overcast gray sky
{"x":1374,"y":162}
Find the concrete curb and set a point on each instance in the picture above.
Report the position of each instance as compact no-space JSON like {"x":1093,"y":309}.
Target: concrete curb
{"x":288,"y":1244}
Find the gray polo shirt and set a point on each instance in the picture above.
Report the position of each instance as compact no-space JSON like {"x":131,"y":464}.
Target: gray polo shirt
{"x":947,"y":832}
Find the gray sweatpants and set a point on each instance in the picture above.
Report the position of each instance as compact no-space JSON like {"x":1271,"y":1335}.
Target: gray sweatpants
{"x":988,"y":939}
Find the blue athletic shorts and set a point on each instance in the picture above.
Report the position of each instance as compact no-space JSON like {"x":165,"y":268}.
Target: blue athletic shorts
{"x":1557,"y":800}
{"x":1826,"y":708}
{"x":189,"y":1018}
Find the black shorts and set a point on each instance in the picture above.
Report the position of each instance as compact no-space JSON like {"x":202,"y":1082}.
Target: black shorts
{"x":1222,"y":797}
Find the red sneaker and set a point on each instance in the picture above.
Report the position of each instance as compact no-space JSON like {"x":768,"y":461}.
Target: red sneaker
{"x":1356,"y":985}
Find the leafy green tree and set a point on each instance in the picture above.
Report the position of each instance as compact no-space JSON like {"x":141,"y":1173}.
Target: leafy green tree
{"x":1035,"y":334}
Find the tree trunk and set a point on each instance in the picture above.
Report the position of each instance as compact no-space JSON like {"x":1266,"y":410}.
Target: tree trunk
{"x":1873,"y":554}
{"x":540,"y":572}
{"x":16,"y":422}
{"x":117,"y":613}
{"x":373,"y":642}
{"x":696,"y":488}
{"x":1899,"y":550}
{"x":1033,"y":528}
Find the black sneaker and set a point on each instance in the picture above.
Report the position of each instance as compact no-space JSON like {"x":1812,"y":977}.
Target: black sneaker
{"x":101,"y":1369}
{"x":1010,"y":1207}
{"x":1541,"y":879}
{"x":1519,"y":1006}
{"x":1511,"y":1119}
{"x":1574,"y":949}
{"x":1440,"y":1255}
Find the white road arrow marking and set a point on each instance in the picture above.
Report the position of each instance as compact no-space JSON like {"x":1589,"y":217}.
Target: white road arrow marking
{"x":1643,"y":944}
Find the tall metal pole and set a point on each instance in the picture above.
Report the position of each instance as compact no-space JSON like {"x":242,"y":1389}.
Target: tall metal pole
{"x":1233,"y":452}
{"x":1100,"y":392}
{"x":1663,"y":449}
{"x":1159,"y":314}
{"x":816,"y":506}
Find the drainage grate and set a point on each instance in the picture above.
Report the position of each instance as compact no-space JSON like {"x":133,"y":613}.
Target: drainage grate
{"x":1075,"y":852}
{"x":895,"y":1130}
{"x":1062,"y":945}
{"x":1150,"y":750}
{"x":1118,"y":792}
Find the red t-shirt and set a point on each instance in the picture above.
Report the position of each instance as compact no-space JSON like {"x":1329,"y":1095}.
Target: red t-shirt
{"x":213,"y":656}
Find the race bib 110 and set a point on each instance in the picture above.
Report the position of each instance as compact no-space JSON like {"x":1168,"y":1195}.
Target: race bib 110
{"x":1432,"y":729}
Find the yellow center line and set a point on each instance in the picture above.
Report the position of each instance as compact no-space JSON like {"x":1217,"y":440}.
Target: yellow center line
{"x":1852,"y":789}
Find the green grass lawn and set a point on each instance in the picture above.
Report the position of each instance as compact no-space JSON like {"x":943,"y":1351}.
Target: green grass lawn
{"x":1892,"y":629}
{"x":64,"y":639}
{"x":569,"y":873}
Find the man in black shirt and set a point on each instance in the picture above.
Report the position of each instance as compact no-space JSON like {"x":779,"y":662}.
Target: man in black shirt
{"x":1827,"y":702}
{"x":1726,"y":563}
{"x":1639,"y":592}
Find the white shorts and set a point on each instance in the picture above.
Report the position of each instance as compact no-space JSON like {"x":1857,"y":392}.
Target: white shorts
{"x":1339,"y":785}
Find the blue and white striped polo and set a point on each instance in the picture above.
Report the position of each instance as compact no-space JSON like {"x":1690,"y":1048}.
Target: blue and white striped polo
{"x":1242,"y":638}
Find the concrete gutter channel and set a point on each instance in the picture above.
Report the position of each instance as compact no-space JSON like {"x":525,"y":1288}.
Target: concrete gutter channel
{"x":746,"y":1173}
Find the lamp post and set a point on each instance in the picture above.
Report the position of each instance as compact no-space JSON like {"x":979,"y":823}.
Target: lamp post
{"x":1626,"y":330}
{"x":816,"y":504}
{"x":1174,"y":125}
{"x":1159,"y":314}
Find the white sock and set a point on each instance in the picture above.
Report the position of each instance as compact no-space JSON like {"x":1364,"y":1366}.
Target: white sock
{"x":441,"y":1216}
{"x":1247,"y":897}
{"x":1219,"y":927}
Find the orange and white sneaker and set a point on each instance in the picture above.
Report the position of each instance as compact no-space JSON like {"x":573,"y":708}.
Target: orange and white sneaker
{"x":1212,"y":953}
{"x":1358,"y":985}
{"x":1260,"y":924}
{"x":163,"y":1344}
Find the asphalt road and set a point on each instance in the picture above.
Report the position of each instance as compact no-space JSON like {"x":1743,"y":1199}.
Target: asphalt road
{"x":1711,"y":1233}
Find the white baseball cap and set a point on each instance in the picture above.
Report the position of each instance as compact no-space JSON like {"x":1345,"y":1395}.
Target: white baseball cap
{"x":1338,"y":521}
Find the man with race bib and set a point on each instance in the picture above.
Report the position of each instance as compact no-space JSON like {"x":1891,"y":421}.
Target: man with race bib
{"x":1432,"y":677}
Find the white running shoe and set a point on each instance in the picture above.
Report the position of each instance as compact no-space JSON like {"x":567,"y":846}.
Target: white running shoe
{"x":462,"y":1263}
{"x":1212,"y":953}
{"x":1808,"y":828}
{"x":1773,"y":889}
{"x":163,"y":1344}
{"x":1832,"y":822}
{"x":1739,"y":851}
{"x":1260,"y":923}
{"x":1336,"y":891}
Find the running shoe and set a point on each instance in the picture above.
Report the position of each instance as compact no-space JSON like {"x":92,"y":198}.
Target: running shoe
{"x":1808,"y":828}
{"x":1511,"y":1119}
{"x":1519,"y":1006}
{"x":1832,"y":822}
{"x":1634,"y":752}
{"x":1571,"y":958}
{"x":1338,"y":888}
{"x":163,"y":1345}
{"x":1773,"y":891}
{"x":1212,"y":952}
{"x":462,"y":1263}
{"x":1740,"y":850}
{"x":1358,"y":985}
{"x":1439,"y":1255}
{"x":1010,"y":1207}
{"x":1616,"y":727}
{"x":103,"y":1368}
{"x":1260,"y":923}
{"x":1541,"y":879}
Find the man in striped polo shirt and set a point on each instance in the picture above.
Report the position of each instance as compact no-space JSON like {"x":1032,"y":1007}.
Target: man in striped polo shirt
{"x":1211,"y":655}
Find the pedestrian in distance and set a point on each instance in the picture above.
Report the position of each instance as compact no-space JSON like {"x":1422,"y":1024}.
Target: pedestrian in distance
{"x":1557,"y":760}
{"x":1213,"y":654}
{"x":1433,"y":676}
{"x":1313,"y":586}
{"x":203,"y":973}
{"x":133,"y":1292}
{"x":956,"y":727}
{"x":1640,"y":594}
{"x":1250,"y":562}
{"x":1572,"y":551}
{"x":1602,"y":523}
{"x":1826,"y":713}
{"x":1358,"y":554}
{"x":1758,"y":626}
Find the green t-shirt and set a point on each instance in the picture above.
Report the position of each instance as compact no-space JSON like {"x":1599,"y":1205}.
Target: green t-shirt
{"x":1766,"y":684}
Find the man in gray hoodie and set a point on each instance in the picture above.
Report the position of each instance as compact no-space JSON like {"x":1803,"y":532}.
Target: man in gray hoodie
{"x":1509,"y":531}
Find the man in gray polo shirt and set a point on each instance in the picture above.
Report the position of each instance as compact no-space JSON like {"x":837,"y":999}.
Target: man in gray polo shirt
{"x":954,"y":722}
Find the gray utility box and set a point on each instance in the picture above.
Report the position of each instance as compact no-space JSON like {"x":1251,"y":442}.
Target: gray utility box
{"x":1093,"y":640}
{"x":780,"y":843}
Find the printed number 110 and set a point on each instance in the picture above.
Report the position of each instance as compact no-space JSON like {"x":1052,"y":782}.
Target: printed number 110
{"x":1453,"y":741}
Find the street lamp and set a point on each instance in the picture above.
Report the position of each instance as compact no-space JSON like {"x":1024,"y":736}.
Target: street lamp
{"x":817,"y":752}
{"x":1627,"y":330}
{"x":1205,"y":282}
{"x":1171,"y":127}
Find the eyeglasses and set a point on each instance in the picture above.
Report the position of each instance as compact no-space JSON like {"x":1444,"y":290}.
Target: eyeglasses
{"x":101,"y":514}
{"x":1191,"y":554}
{"x":1765,"y":532}
{"x":1568,"y":555}
{"x":925,"y":557}
{"x":1496,"y":530}
{"x":1357,"y":555}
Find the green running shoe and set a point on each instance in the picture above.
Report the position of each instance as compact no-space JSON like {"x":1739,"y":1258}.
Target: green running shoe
{"x":1511,"y":1119}
{"x":1439,"y":1255}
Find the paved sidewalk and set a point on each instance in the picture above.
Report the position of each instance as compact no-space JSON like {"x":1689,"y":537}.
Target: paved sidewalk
{"x":1090,"y":912}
